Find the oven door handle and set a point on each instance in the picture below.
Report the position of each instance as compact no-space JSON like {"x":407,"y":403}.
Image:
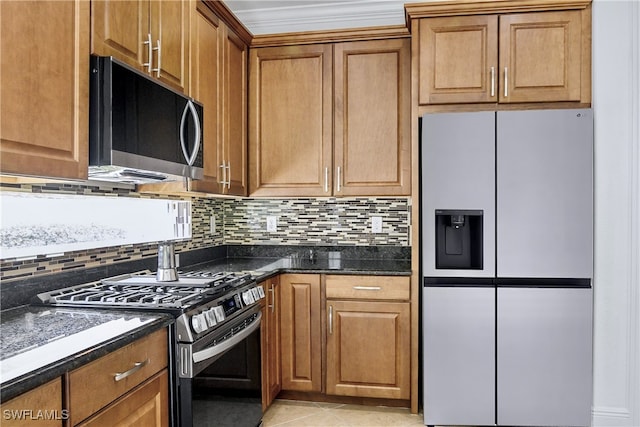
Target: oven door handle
{"x":217,"y":350}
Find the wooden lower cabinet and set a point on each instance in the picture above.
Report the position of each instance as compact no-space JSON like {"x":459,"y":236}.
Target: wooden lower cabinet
{"x":271,"y":368}
{"x":41,"y":406}
{"x":147,"y":405}
{"x":368,"y":349}
{"x":300,"y":329}
{"x":129,"y":384}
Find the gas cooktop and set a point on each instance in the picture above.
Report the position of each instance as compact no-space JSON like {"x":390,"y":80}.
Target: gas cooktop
{"x":142,"y":290}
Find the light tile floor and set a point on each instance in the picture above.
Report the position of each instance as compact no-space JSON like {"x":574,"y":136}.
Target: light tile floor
{"x":290,"y":413}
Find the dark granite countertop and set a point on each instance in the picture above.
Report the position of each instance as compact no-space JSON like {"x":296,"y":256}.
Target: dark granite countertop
{"x":38,"y":344}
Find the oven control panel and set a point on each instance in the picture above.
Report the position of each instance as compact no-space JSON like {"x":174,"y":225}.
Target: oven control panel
{"x":214,"y":313}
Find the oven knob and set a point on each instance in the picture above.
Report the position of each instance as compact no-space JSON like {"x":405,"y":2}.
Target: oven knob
{"x":260,"y":291}
{"x":219,"y":312}
{"x":198,"y":323}
{"x":247,"y":297}
{"x":211,"y":317}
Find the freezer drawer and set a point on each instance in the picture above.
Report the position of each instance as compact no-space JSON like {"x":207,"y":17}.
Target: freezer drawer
{"x":459,"y":355}
{"x":544,"y":356}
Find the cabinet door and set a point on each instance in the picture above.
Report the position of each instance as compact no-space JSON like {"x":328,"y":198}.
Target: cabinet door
{"x":206,"y":72}
{"x":458,"y":59}
{"x":148,"y":405}
{"x":169,"y":32}
{"x":290,"y":127}
{"x":368,"y":349}
{"x":46,"y":398}
{"x":300,"y":332}
{"x":372,"y":150}
{"x":540,"y":56}
{"x":235,"y":112}
{"x":45,"y":88}
{"x":271,"y":344}
{"x":119,"y":29}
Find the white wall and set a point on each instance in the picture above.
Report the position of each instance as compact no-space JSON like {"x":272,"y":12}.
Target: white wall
{"x":616,"y":101}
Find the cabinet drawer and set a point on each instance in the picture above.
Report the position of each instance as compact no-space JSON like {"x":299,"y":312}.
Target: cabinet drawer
{"x":93,"y":386}
{"x":368,"y":287}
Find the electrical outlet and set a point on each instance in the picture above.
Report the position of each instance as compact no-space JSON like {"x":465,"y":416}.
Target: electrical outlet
{"x":376,"y":224}
{"x":272,"y":224}
{"x":212,"y":224}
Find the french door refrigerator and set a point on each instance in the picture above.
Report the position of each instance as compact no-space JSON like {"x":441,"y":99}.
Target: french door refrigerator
{"x":507,"y":260}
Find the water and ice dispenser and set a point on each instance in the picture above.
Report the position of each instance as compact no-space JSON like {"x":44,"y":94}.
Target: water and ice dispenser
{"x":458,"y":239}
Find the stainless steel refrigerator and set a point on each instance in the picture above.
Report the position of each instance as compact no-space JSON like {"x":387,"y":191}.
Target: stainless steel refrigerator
{"x":507,"y":262}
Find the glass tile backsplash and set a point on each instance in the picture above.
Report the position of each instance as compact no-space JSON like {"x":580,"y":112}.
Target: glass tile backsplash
{"x":214,"y":222}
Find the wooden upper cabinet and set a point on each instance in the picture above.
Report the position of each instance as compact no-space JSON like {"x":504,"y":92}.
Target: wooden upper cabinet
{"x":290,"y":121}
{"x":475,"y":56}
{"x":540,"y":56}
{"x":234,"y":114}
{"x":331,"y":119}
{"x":44,"y":75}
{"x":205,"y":81}
{"x":372,"y":113}
{"x":151,"y":36}
{"x":458,"y":59}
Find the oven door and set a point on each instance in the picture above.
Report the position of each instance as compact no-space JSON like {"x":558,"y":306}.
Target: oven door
{"x":223,"y":384}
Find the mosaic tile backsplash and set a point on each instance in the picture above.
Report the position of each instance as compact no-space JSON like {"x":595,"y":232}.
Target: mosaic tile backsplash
{"x":303,"y":221}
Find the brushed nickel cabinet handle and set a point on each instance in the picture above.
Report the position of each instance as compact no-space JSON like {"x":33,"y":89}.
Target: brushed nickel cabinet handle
{"x":506,"y":83}
{"x":493,"y":81}
{"x":339,"y":178}
{"x":326,"y":180}
{"x":159,"y":49}
{"x":224,"y":175}
{"x":272,"y":306}
{"x":367,"y":288}
{"x":149,"y":53}
{"x":330,"y":320}
{"x":136,"y":367}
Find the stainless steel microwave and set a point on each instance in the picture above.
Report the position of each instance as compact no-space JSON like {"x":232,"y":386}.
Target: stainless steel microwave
{"x":141,"y":130}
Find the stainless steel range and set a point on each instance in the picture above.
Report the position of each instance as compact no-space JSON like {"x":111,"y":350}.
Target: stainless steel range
{"x":215,"y":340}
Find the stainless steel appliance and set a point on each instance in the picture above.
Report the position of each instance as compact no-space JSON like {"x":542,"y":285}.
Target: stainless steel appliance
{"x":215,"y":341}
{"x":141,"y":130}
{"x":507,"y":260}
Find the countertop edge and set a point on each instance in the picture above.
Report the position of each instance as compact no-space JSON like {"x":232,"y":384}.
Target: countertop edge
{"x":33,"y":379}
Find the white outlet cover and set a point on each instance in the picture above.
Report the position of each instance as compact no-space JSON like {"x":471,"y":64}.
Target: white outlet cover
{"x":272,"y":224}
{"x":376,"y":224}
{"x":212,"y":224}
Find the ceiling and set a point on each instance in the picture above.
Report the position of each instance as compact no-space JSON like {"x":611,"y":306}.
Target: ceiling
{"x":286,"y":16}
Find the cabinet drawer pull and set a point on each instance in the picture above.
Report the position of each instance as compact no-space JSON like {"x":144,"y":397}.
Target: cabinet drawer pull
{"x":339,"y":179}
{"x":367,"y":288}
{"x":136,"y":367}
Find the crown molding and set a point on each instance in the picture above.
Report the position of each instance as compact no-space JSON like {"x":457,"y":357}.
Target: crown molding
{"x":319,"y":16}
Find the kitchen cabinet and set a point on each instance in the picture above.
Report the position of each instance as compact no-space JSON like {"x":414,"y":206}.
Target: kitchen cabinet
{"x":271,"y":369}
{"x":41,"y":406}
{"x":133,"y":383}
{"x":368,"y":333}
{"x":300,"y":332}
{"x":503,"y":57}
{"x":330,"y":119}
{"x":44,"y":76}
{"x":151,"y":36}
{"x":218,"y":80}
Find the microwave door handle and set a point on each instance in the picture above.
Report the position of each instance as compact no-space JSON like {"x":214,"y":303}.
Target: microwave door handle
{"x":190,"y":157}
{"x":216,"y":350}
